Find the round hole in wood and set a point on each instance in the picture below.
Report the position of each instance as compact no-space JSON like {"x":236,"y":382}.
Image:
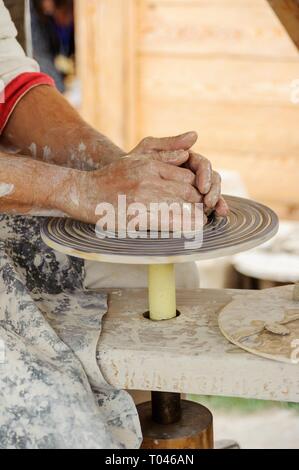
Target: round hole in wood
{"x":146,"y":315}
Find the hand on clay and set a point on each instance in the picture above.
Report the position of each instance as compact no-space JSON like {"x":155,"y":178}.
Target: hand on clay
{"x":156,"y":171}
{"x":207,"y":181}
{"x":153,"y":178}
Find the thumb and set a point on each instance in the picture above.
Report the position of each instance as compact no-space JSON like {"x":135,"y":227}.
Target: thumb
{"x":180,"y":142}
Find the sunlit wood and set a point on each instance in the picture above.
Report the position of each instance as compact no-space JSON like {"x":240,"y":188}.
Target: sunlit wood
{"x":225,"y":68}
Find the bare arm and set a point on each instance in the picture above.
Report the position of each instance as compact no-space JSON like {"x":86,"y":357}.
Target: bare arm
{"x":52,"y":137}
{"x":27,"y":185}
{"x":45,"y":126}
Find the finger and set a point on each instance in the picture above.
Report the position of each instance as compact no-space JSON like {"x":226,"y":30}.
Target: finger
{"x":155,"y":189}
{"x":203,"y":169}
{"x":156,"y":162}
{"x":179,"y":142}
{"x":174,"y":173}
{"x":177,"y":190}
{"x":222,"y":208}
{"x":174,"y":157}
{"x":214,"y":195}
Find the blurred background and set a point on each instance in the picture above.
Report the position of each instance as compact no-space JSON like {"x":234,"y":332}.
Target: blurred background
{"x":225,"y":68}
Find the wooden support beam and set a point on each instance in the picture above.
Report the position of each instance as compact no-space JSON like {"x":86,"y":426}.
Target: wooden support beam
{"x":288,"y":13}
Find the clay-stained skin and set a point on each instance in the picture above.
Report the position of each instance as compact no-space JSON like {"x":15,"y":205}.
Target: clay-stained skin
{"x":140,"y":178}
{"x":29,"y":184}
{"x":74,"y":168}
{"x":33,"y":150}
{"x":6,"y":189}
{"x":45,"y":213}
{"x":77,"y":194}
{"x":45,"y":126}
{"x":47,"y":154}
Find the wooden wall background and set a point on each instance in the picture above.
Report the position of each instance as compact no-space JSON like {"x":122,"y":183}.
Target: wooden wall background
{"x":224,"y":68}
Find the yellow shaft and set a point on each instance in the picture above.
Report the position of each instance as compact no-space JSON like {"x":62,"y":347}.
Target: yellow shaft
{"x":162,"y":293}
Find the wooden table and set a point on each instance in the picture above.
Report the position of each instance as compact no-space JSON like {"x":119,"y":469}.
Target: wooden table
{"x":187,"y":354}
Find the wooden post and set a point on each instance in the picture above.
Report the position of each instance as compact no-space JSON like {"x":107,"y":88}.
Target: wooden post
{"x":288,"y":13}
{"x":171,"y":423}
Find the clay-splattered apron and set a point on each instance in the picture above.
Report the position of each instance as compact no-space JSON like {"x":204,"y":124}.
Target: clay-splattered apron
{"x":52,"y":393}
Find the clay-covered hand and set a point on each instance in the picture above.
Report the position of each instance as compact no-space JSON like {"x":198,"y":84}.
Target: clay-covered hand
{"x":207,"y":181}
{"x":155,"y":145}
{"x":145,"y":179}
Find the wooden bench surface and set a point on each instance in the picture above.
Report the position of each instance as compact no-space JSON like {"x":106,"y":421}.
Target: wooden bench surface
{"x":187,"y":354}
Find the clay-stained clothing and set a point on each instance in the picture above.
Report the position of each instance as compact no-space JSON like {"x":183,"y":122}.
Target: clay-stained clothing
{"x":52,"y":392}
{"x":13,"y":60}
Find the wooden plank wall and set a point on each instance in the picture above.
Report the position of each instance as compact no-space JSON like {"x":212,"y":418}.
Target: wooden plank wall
{"x":224,"y":68}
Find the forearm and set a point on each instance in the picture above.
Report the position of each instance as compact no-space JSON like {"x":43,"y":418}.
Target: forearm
{"x":44,"y":126}
{"x":27,"y":185}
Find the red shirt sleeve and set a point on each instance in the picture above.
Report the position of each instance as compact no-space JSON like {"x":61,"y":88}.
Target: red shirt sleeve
{"x":16,"y":89}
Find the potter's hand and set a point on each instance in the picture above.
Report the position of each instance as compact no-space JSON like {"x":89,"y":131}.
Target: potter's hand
{"x":208,"y":183}
{"x":154,"y":145}
{"x":143,"y":179}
